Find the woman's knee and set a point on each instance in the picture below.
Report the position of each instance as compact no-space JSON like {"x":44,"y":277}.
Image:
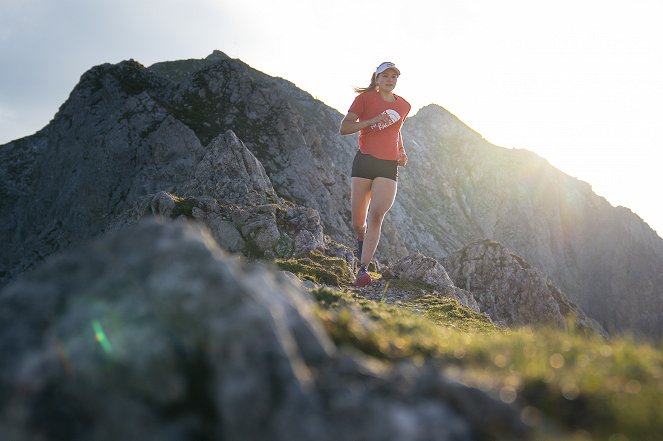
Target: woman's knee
{"x":375,"y":217}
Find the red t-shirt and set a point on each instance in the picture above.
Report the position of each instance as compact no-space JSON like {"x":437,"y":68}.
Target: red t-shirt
{"x":380,"y":141}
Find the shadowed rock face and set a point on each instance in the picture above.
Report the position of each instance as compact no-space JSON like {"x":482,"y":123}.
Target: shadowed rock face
{"x":155,"y":333}
{"x":227,"y":135}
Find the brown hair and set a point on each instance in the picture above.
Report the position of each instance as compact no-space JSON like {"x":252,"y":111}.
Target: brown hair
{"x":372,"y":86}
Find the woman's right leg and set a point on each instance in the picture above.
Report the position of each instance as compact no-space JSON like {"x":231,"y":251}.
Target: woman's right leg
{"x":360,"y":198}
{"x":383,"y":193}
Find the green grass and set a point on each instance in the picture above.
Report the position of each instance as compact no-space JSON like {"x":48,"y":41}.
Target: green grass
{"x":450,"y":313}
{"x":318,"y":268}
{"x":567,"y":385}
{"x":577,"y":384}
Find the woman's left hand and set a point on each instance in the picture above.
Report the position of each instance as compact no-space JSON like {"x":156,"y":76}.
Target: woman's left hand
{"x":402,"y":159}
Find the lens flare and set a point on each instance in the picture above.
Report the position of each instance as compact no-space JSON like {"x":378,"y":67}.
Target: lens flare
{"x":100,"y":336}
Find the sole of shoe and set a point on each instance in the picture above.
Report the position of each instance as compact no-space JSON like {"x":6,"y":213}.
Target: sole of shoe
{"x":363,"y":280}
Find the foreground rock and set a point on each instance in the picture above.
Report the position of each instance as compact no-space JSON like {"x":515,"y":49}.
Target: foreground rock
{"x":510,"y":291}
{"x":155,"y":333}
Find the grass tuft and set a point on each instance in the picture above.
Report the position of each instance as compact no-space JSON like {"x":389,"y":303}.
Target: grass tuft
{"x":318,"y":268}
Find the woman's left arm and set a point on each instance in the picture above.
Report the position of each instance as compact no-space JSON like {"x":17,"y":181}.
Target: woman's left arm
{"x":402,"y":156}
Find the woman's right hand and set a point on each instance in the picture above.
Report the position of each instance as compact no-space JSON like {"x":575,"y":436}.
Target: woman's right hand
{"x":381,"y":118}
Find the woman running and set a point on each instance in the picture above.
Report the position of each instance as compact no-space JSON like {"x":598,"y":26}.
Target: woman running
{"x":378,"y":114}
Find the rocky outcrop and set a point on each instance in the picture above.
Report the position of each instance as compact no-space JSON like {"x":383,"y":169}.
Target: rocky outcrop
{"x":268,"y":230}
{"x":512,"y":292}
{"x":153,"y":332}
{"x":488,"y":278}
{"x":425,"y":270}
{"x":294,"y":136}
{"x":229,"y":172}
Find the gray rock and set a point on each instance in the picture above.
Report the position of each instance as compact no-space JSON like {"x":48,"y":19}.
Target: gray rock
{"x":162,"y":204}
{"x":306,"y":284}
{"x":419,"y":268}
{"x":225,"y":232}
{"x":229,"y":172}
{"x":259,"y":226}
{"x":509,"y":290}
{"x":335,"y":249}
{"x":422,"y":269}
{"x":153,"y":333}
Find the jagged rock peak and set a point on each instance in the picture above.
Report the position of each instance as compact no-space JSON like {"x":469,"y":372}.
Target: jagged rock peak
{"x":434,"y":110}
{"x":110,"y":83}
{"x":229,"y":172}
{"x":178,"y":70}
{"x":441,"y":121}
{"x":217,"y":55}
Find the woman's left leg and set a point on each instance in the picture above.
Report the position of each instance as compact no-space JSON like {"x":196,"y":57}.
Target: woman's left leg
{"x":383,"y":194}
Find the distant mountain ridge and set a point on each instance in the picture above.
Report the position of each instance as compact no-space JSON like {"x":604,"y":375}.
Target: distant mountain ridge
{"x":127,"y":131}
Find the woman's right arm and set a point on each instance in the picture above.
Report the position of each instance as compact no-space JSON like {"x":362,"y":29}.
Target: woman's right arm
{"x":350,"y":125}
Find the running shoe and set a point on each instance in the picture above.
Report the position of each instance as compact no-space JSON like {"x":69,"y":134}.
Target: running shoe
{"x":363,"y":278}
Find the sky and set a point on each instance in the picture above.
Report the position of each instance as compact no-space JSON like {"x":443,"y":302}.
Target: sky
{"x":579,"y":82}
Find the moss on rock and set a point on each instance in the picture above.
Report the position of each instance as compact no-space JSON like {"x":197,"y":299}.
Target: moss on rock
{"x":318,"y":268}
{"x":449,"y":312}
{"x":184,"y":206}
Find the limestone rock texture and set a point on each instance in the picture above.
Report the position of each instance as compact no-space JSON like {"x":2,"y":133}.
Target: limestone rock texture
{"x":156,"y":333}
{"x":227,"y":142}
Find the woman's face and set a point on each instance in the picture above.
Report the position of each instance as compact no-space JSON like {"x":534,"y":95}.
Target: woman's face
{"x":387,"y":80}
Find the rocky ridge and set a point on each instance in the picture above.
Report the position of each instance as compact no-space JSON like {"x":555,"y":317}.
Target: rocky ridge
{"x":132,"y":140}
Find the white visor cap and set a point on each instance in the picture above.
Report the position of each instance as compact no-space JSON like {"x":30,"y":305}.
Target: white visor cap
{"x":384,"y":66}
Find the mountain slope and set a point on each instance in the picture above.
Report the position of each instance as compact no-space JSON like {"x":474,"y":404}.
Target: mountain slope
{"x":128,"y":131}
{"x":607,"y":259}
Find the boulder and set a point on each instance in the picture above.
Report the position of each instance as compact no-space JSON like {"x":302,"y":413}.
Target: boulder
{"x":229,"y":172}
{"x":511,"y":291}
{"x":427,"y":271}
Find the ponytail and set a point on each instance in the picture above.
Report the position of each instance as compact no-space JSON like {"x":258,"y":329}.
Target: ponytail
{"x":372,"y":86}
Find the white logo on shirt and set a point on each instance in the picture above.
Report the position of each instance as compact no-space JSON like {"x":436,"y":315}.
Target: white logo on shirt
{"x":393,"y":117}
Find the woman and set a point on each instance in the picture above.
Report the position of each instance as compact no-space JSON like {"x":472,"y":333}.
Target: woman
{"x":378,"y":114}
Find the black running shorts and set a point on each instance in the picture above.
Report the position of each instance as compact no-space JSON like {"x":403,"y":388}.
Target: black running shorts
{"x":370,"y":167}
